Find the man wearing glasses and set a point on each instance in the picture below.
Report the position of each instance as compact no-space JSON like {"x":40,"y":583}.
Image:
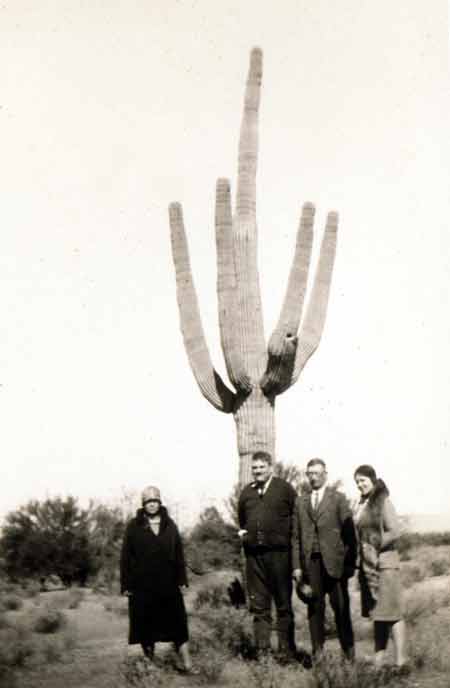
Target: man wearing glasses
{"x":324,"y":555}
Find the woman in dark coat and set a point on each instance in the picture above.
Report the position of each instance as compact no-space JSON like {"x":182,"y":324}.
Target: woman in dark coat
{"x":152,"y":571}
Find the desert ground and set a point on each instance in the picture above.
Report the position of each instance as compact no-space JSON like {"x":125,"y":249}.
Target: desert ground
{"x":77,"y":638}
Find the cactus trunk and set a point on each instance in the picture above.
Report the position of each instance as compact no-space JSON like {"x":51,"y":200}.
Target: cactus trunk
{"x":254,"y":415}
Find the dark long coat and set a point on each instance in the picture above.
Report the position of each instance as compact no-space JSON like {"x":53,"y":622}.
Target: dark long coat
{"x":152,"y":569}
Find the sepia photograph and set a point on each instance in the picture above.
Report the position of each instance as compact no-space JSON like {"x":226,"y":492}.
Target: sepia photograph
{"x":224,"y":368}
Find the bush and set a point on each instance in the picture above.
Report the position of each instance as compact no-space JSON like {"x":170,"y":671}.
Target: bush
{"x":229,"y":630}
{"x":30,"y":589}
{"x":213,"y":543}
{"x":439,"y":566}
{"x":11,"y":602}
{"x":412,"y":573}
{"x":429,"y":645}
{"x":210,"y":662}
{"x":409,"y":541}
{"x":214,"y":596}
{"x":332,"y":671}
{"x":16,"y":646}
{"x":137,"y":672}
{"x":50,"y":620}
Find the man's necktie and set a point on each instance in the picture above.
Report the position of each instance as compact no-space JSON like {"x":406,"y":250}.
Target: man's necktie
{"x":315,"y":499}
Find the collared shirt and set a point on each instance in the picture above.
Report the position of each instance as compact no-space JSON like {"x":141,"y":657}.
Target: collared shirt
{"x":262,"y":489}
{"x":320,"y":492}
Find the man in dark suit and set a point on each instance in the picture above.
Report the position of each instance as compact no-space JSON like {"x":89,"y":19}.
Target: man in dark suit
{"x":324,"y":555}
{"x":265,"y":510}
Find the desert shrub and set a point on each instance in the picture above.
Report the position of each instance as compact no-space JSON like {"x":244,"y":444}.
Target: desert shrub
{"x":412,"y":573}
{"x":50,"y":537}
{"x":213,"y":543}
{"x":210,"y":662}
{"x":229,"y":629}
{"x":11,"y":602}
{"x":408,"y":541}
{"x":332,"y":671}
{"x":137,"y":672}
{"x":214,"y":596}
{"x":30,"y":588}
{"x":20,"y":647}
{"x":50,"y":620}
{"x":267,"y":673}
{"x":16,"y":645}
{"x":422,"y":604}
{"x":54,"y":648}
{"x":429,"y":645}
{"x":51,"y":651}
{"x":439,"y":566}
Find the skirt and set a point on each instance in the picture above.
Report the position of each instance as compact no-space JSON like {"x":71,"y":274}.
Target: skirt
{"x":157,"y":619}
{"x":389,"y":603}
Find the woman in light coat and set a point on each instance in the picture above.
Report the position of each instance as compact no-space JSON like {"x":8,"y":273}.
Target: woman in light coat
{"x":379,"y":576}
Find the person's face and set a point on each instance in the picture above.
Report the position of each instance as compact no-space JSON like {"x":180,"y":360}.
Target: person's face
{"x":152,"y":506}
{"x":261,"y":470}
{"x":317,"y":476}
{"x":364,"y":484}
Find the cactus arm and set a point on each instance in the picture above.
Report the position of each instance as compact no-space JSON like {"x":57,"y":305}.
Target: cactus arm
{"x":313,"y":324}
{"x":283,"y":342}
{"x":227,"y":289}
{"x":250,"y":332}
{"x":211,"y":385}
{"x":248,"y":141}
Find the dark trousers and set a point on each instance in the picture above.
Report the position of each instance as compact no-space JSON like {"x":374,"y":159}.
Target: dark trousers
{"x":337,"y":590}
{"x":269,"y":577}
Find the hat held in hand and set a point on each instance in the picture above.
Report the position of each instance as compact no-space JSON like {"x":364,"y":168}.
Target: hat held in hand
{"x":304,"y":592}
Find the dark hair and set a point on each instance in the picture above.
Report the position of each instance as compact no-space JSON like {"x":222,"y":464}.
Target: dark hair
{"x":367,"y":471}
{"x":316,"y":462}
{"x":262,"y":456}
{"x":379,"y":486}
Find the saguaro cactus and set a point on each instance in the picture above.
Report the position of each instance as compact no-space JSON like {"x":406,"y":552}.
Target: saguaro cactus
{"x":257,"y":372}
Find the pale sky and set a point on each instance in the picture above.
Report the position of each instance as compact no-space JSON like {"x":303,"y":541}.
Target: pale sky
{"x":110,"y":110}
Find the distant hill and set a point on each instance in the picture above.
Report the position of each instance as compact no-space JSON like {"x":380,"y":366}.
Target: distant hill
{"x":426,"y":523}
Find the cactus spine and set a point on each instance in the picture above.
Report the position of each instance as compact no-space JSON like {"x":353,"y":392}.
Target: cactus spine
{"x":257,"y":372}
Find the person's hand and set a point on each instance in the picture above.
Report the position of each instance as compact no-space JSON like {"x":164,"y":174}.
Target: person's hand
{"x":242,"y":534}
{"x":305,"y":592}
{"x":375,"y":540}
{"x":297,"y":575}
{"x":127,"y":593}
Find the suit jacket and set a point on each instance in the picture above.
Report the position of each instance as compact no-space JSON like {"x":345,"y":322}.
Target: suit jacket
{"x":333,"y":525}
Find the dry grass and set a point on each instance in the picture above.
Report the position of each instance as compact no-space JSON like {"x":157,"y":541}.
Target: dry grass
{"x":91,"y":651}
